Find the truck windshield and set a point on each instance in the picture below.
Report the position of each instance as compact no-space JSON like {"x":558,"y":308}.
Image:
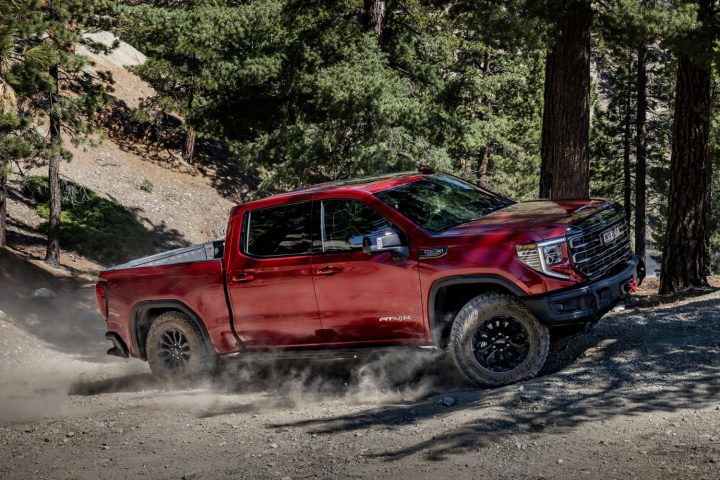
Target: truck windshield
{"x":440,"y":202}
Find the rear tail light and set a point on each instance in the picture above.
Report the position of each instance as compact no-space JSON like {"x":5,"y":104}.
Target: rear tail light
{"x":102,"y":298}
{"x":550,"y":258}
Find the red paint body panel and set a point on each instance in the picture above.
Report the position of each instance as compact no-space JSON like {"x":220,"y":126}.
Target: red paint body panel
{"x":197,"y":285}
{"x":371,"y":299}
{"x":277,"y":307}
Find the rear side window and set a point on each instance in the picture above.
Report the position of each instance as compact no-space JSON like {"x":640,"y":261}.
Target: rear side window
{"x":278,"y":231}
{"x":344,"y":224}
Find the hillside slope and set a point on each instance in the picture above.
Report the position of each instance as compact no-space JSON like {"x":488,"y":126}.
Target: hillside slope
{"x":177,"y":203}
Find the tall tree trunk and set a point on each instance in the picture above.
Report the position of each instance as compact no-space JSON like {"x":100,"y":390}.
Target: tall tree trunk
{"x":375,"y":17}
{"x":483,"y":165}
{"x":627,"y":180}
{"x":3,"y":203}
{"x":566,"y":114}
{"x":683,"y":260}
{"x":188,"y":151}
{"x":640,"y":151}
{"x":710,"y":221}
{"x":52,"y":256}
{"x":188,"y":147}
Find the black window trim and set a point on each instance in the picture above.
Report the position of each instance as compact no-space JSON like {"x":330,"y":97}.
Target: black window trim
{"x":322,"y":224}
{"x":245,"y":238}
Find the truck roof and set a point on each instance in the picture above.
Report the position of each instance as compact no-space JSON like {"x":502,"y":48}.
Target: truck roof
{"x":370,"y":184}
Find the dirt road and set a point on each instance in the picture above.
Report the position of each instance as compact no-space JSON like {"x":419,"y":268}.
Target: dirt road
{"x":639,"y":399}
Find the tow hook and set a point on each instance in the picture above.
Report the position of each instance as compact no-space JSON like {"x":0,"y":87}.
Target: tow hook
{"x":629,"y":287}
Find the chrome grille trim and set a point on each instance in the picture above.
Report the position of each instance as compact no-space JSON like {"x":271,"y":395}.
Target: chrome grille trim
{"x":589,"y":256}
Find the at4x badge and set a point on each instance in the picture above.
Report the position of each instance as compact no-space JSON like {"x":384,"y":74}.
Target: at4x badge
{"x":396,"y":318}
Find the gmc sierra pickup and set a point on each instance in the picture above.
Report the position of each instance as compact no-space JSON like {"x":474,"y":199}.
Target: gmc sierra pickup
{"x":423,"y":259}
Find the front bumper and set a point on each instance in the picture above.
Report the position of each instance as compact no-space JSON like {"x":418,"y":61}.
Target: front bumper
{"x":589,"y":302}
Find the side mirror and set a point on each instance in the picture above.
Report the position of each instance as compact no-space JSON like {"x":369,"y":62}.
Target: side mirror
{"x":389,"y":241}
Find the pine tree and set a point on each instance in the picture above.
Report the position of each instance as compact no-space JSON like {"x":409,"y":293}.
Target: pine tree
{"x":636,"y":25}
{"x":349,"y":87}
{"x":612,"y":128}
{"x":212,"y":63}
{"x":714,"y":211}
{"x":685,"y":249}
{"x":18,"y":22}
{"x":493,"y":96}
{"x":375,"y":17}
{"x":9,"y":121}
{"x":566,"y":117}
{"x":626,"y":29}
{"x":50,"y":81}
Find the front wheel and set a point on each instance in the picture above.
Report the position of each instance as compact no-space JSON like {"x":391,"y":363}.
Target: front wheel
{"x":496,"y":341}
{"x":177,"y":350}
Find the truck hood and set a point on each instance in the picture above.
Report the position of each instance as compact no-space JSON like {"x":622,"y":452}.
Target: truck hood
{"x":544,"y":217}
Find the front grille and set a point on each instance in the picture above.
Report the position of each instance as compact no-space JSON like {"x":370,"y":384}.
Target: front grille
{"x":589,"y":255}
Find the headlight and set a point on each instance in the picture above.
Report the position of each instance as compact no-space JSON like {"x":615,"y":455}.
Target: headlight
{"x":543,"y":256}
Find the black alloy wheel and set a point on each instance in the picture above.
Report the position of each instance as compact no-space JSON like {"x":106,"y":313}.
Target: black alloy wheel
{"x":173,"y":350}
{"x":501,"y":343}
{"x":496,"y":341}
{"x":177,"y":350}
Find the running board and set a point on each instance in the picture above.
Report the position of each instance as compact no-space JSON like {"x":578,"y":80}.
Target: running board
{"x":339,"y":354}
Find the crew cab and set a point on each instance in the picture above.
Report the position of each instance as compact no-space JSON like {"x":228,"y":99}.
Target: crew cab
{"x":420,"y":258}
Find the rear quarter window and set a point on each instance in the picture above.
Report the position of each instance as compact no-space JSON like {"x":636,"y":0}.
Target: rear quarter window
{"x":278,"y":231}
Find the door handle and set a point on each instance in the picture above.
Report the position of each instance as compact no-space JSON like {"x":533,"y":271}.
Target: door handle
{"x":241,"y":277}
{"x":328,"y":270}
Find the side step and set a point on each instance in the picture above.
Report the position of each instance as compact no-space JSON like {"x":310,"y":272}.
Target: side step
{"x":332,"y":354}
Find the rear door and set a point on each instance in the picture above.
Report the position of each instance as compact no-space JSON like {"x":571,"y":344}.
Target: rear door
{"x":362,"y":297}
{"x":270,"y":281}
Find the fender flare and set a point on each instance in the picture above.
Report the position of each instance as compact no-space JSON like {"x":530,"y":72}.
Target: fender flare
{"x":141,"y":307}
{"x":480,"y":279}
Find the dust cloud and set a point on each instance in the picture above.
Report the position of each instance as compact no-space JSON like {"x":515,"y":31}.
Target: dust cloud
{"x":52,"y":346}
{"x":401,"y":376}
{"x":253,"y":385}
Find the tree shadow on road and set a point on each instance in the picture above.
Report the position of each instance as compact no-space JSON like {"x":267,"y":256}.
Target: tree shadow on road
{"x":636,"y":363}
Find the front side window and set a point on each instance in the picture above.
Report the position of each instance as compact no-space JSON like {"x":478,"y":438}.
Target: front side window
{"x":345,"y":223}
{"x":439,"y":202}
{"x":279,"y":231}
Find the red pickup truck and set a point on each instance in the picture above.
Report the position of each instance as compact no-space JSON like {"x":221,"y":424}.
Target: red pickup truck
{"x":419,"y":259}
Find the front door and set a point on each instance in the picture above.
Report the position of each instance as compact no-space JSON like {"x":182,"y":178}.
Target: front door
{"x":270,"y":283}
{"x":362,"y":298}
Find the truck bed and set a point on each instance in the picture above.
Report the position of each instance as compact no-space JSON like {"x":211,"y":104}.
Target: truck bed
{"x":190,"y":279}
{"x":194,"y":253}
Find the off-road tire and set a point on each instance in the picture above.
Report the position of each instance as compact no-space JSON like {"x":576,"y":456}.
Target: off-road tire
{"x":481,"y":309}
{"x":202,"y":359}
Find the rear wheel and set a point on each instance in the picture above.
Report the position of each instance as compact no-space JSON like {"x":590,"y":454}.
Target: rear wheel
{"x":176,"y":349}
{"x":495,"y":341}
